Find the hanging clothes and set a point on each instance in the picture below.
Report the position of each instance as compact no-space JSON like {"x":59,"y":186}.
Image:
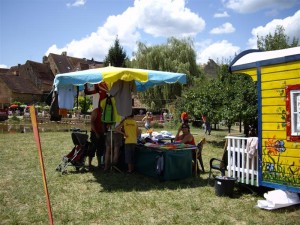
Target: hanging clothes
{"x":98,"y":92}
{"x":122,"y":92}
{"x":252,"y":145}
{"x":66,"y":96}
{"x":54,"y":110}
{"x":96,"y":99}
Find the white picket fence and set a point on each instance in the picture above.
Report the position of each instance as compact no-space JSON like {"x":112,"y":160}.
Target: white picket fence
{"x":240,"y":164}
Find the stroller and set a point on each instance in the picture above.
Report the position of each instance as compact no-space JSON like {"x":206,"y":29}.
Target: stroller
{"x":78,"y":154}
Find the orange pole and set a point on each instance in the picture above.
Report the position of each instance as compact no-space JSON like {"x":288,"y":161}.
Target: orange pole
{"x":38,"y":143}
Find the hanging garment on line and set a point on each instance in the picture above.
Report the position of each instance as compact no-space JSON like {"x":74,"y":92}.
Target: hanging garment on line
{"x":101,"y":89}
{"x":122,"y":91}
{"x":66,"y":96}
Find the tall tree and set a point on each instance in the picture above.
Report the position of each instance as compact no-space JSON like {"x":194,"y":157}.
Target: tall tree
{"x":116,"y":55}
{"x":279,"y":40}
{"x":174,"y":56}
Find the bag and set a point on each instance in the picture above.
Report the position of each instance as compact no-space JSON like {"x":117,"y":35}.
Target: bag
{"x":108,"y":111}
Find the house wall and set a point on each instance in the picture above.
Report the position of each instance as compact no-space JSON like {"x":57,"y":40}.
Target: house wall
{"x":280,"y":158}
{"x":26,"y":98}
{"x":5,"y":93}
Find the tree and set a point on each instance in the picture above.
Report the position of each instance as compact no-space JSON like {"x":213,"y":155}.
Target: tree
{"x":116,"y":55}
{"x":279,"y":40}
{"x":229,"y":97}
{"x":84,"y":103}
{"x":175,"y":56}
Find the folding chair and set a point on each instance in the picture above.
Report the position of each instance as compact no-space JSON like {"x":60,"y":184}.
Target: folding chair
{"x":218,"y":164}
{"x":197,"y":157}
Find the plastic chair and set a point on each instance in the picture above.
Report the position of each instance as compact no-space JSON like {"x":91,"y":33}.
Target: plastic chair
{"x":197,"y":157}
{"x":218,"y":164}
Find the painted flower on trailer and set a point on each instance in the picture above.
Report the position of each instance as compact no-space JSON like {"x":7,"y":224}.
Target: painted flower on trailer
{"x":270,"y":146}
{"x":279,"y":145}
{"x":270,"y":167}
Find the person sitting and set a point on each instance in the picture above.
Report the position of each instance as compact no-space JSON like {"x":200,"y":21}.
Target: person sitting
{"x":186,"y":137}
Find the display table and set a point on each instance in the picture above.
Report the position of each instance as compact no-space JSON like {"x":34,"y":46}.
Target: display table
{"x":174,"y":164}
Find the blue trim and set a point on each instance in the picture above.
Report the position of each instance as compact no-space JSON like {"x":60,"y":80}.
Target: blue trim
{"x":259,"y":125}
{"x":243,"y":53}
{"x":286,"y":59}
{"x":281,"y":187}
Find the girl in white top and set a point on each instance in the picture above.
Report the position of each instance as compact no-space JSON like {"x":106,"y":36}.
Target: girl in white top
{"x":147,"y":119}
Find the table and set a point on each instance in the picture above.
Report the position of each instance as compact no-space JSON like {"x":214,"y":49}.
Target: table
{"x":167,"y":139}
{"x":177,"y":164}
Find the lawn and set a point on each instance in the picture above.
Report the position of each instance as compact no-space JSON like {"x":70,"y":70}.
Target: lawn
{"x":114,"y":198}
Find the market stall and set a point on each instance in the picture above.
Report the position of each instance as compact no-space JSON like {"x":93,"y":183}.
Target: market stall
{"x":120,"y":84}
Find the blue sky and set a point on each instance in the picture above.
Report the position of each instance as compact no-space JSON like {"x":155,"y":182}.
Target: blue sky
{"x":87,"y":28}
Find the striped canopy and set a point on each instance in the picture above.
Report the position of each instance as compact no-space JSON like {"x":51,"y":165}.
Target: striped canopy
{"x":144,"y":79}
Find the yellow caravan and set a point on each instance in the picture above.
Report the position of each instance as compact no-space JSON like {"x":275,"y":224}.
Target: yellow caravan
{"x":277,"y":161}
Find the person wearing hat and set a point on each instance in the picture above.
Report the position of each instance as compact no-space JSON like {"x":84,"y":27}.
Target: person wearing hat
{"x":186,"y":137}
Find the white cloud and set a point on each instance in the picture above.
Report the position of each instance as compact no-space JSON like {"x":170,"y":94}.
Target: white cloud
{"x":3,"y":66}
{"x":165,"y":18}
{"x":221,"y":15}
{"x":221,"y":52}
{"x":290,"y":24}
{"x":77,"y":3}
{"x":250,"y":6}
{"x":159,"y":18}
{"x":224,"y":29}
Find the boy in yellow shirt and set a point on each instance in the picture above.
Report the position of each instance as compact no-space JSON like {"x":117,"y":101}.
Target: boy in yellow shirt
{"x":128,"y":127}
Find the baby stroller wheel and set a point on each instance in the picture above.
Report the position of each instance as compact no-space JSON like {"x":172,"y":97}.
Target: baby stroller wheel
{"x":58,"y":168}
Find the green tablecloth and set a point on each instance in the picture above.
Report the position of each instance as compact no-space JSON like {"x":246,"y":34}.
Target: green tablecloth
{"x":177,"y":164}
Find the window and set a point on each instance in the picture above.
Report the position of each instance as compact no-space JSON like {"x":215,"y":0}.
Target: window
{"x":293,"y":112}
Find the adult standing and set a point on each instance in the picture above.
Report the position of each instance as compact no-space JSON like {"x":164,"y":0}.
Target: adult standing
{"x":97,"y":137}
{"x":206,"y":123}
{"x":114,"y":141}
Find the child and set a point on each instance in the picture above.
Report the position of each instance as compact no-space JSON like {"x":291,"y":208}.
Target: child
{"x":129,"y":129}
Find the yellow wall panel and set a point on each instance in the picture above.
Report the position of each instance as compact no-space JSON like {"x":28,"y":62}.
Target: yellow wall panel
{"x":273,"y":93}
{"x":281,"y":135}
{"x":281,"y":67}
{"x":279,"y":101}
{"x":278,"y":84}
{"x":273,"y":126}
{"x":269,"y":118}
{"x":283,"y":75}
{"x":273,"y":109}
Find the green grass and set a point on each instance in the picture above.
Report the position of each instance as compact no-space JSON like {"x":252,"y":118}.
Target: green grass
{"x":115,"y":198}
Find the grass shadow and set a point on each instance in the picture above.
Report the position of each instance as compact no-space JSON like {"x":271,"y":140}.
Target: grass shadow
{"x":217,"y":144}
{"x":116,"y":181}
